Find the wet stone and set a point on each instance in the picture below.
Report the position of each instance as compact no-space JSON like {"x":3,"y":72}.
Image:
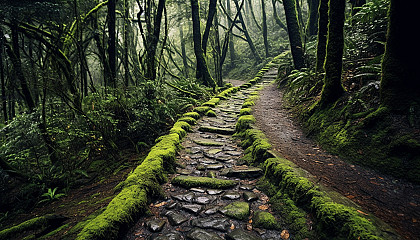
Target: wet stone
{"x":196,"y":156}
{"x":238,"y":210}
{"x":171,"y":205}
{"x":234,"y":153}
{"x":246,"y":187}
{"x":221,"y":224}
{"x":194,"y":208}
{"x":250,"y":196}
{"x":201,"y":234}
{"x":155,"y":225}
{"x":211,"y":211}
{"x":214,"y":166}
{"x":239,"y":234}
{"x":199,"y":190}
{"x":207,"y":161}
{"x":245,"y":172}
{"x":214,"y":191}
{"x":169,"y":236}
{"x":214,"y":151}
{"x":207,"y":142}
{"x":204,"y":199}
{"x":175,"y":218}
{"x":231,"y":195}
{"x":184,"y":171}
{"x":188,"y":197}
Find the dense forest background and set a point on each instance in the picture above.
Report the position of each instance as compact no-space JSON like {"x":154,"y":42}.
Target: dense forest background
{"x":84,"y":84}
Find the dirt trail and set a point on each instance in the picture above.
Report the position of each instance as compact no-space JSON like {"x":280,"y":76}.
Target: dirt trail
{"x":394,"y":201}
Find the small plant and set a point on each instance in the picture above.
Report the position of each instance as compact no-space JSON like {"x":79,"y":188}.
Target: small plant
{"x":51,"y":195}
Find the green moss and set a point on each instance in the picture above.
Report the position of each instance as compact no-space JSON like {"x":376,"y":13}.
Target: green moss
{"x":194,"y":115}
{"x":31,"y":224}
{"x":190,"y":181}
{"x":180,"y":128}
{"x":122,"y":210}
{"x":248,"y":104}
{"x":207,"y":142}
{"x":189,"y":120}
{"x":238,"y":210}
{"x":264,"y":220}
{"x":201,"y":110}
{"x":245,"y":111}
{"x":212,"y":102}
{"x":210,"y":113}
{"x":244,"y":122}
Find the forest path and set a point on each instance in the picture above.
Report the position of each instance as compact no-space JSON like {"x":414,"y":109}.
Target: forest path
{"x":395,"y":201}
{"x":212,"y":196}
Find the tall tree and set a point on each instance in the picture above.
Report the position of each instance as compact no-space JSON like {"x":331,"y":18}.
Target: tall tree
{"x":294,"y":33}
{"x":112,"y":50}
{"x":209,"y":22}
{"x":400,"y":83}
{"x":264,"y":28}
{"x":313,"y":17}
{"x":276,"y":16}
{"x":231,"y":44}
{"x":2,"y":79}
{"x":322,"y":35}
{"x":332,"y":88}
{"x":246,"y":33}
{"x":202,"y":71}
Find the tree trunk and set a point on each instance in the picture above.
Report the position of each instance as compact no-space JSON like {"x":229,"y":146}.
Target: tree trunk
{"x":333,"y":88}
{"x":231,"y":44}
{"x":202,"y":71}
{"x":400,"y":83}
{"x":294,"y":33}
{"x":264,"y":29}
{"x":209,"y":22}
{"x":313,"y":17}
{"x":112,"y":54}
{"x":247,"y":36}
{"x":276,"y":16}
{"x":183,"y":50}
{"x":153,"y":40}
{"x":322,"y":35}
{"x":2,"y":80}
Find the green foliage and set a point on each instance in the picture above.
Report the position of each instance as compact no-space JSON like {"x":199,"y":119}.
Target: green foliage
{"x":303,"y":84}
{"x":51,"y":195}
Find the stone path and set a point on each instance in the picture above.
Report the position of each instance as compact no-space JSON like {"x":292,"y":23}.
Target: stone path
{"x":212,"y":196}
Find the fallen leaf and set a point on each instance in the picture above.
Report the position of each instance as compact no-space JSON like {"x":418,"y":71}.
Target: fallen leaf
{"x":263,"y":207}
{"x":284,"y":234}
{"x":232,"y":226}
{"x":250,"y":221}
{"x":414,"y":220}
{"x":362,"y":213}
{"x":160,"y":204}
{"x":350,"y":196}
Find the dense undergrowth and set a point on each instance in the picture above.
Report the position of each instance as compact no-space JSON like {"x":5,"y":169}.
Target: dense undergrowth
{"x":357,"y":127}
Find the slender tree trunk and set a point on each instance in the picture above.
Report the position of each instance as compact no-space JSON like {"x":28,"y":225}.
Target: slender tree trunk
{"x":276,"y":16}
{"x":209,"y":22}
{"x":400,"y":83}
{"x":181,"y":36}
{"x":247,"y":36}
{"x":251,"y":9}
{"x":294,"y":33}
{"x":333,"y":88}
{"x":313,"y":17}
{"x":202,"y":71}
{"x":112,"y":54}
{"x":2,"y":80}
{"x":231,"y":44}
{"x":264,"y":29}
{"x":153,"y":40}
{"x":322,"y":35}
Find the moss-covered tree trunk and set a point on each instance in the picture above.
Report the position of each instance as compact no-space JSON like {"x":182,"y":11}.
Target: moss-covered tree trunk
{"x":209,"y":22}
{"x":112,"y":50}
{"x":293,"y":30}
{"x":231,"y":44}
{"x":333,"y":88}
{"x":202,"y":71}
{"x":276,"y":16}
{"x":322,"y":35}
{"x":400,"y":83}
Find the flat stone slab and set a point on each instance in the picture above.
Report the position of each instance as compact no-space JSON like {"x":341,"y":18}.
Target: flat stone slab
{"x":169,"y":236}
{"x":204,"y":199}
{"x":175,"y":218}
{"x":220,"y":130}
{"x":194,"y":208}
{"x":231,"y":195}
{"x":207,"y":142}
{"x":187,"y":197}
{"x":201,"y":234}
{"x":239,"y":234}
{"x":244,"y":172}
{"x":190,"y":181}
{"x":221,"y":224}
{"x":155,"y":225}
{"x":250,"y":196}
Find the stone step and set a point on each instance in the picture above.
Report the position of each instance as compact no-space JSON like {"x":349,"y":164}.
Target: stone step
{"x":192,"y":181}
{"x":219,"y":130}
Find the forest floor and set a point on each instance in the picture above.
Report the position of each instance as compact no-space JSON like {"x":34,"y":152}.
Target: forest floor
{"x":395,"y":201}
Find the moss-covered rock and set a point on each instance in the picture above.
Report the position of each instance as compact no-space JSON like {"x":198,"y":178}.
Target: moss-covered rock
{"x":244,"y":122}
{"x":238,"y":210}
{"x":194,"y":115}
{"x":189,"y":120}
{"x":264,"y":220}
{"x":210,"y":113}
{"x":201,"y":110}
{"x":191,"y":181}
{"x":207,"y":142}
{"x":220,"y":130}
{"x":212,"y":102}
{"x":245,"y":111}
